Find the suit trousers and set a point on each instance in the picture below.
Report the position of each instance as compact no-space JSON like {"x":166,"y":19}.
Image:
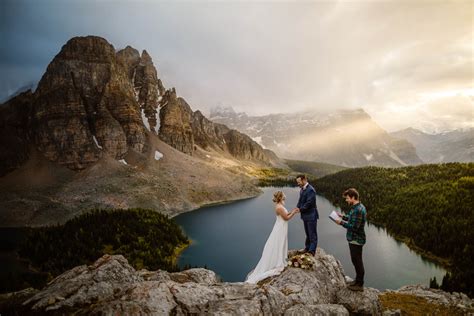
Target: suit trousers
{"x":310,"y":229}
{"x":356,"y":257}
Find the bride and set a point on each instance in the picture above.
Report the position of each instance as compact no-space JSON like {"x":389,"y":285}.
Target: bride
{"x":275,"y":252}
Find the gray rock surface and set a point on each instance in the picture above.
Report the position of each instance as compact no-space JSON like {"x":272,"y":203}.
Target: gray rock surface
{"x":111,"y":286}
{"x":197,"y":275}
{"x":320,"y":309}
{"x":317,"y":286}
{"x":84,"y":285}
{"x":365,"y":302}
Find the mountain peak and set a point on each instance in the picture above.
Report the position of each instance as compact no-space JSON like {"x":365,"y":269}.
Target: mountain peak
{"x":83,"y":107}
{"x":87,"y":48}
{"x":129,"y":51}
{"x":93,"y":101}
{"x":222,"y":111}
{"x":145,"y":56}
{"x":409,"y":130}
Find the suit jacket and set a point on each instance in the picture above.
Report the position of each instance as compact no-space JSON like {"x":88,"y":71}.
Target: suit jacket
{"x":307,"y":204}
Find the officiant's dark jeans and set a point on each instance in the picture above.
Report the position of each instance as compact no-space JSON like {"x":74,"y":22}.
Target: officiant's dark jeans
{"x":356,"y":257}
{"x":310,"y":228}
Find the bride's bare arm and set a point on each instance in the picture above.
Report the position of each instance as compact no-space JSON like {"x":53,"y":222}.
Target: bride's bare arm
{"x":286,"y":216}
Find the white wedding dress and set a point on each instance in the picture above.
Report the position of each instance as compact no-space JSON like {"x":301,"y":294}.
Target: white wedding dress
{"x":275,"y":253}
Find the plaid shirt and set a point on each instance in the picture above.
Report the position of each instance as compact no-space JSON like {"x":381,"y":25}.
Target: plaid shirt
{"x":355,"y":223}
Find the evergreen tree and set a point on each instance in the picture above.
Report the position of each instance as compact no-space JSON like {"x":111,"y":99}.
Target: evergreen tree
{"x":434,"y":283}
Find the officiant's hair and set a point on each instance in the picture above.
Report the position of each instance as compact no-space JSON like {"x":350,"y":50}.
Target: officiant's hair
{"x":351,"y":193}
{"x":278,"y":196}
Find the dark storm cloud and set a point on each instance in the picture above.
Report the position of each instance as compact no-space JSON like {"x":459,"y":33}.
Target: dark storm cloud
{"x":261,"y":57}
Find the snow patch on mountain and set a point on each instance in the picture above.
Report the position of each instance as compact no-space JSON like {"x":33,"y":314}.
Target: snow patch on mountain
{"x":96,"y":142}
{"x":145,"y":120}
{"x":158,"y":155}
{"x":369,"y":157}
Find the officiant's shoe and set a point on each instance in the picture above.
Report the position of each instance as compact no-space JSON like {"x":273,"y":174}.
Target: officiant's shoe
{"x":352,"y":283}
{"x":356,"y":287}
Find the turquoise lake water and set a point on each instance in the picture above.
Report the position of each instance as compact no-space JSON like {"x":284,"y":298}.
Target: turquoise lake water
{"x":229,"y":240}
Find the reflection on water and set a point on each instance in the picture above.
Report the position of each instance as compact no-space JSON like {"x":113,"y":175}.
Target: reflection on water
{"x":229,"y":239}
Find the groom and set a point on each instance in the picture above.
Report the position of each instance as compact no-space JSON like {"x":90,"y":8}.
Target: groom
{"x":309,"y":213}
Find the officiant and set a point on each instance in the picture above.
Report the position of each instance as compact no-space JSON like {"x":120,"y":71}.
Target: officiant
{"x":354,"y":222}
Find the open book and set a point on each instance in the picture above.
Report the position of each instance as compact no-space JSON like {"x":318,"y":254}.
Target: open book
{"x":334,"y":217}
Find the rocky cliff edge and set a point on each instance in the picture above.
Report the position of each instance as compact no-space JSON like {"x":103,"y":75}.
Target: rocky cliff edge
{"x":110,"y":286}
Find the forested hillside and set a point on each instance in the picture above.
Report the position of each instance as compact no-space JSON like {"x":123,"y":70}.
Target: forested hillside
{"x":317,"y":169}
{"x":147,"y":239}
{"x":429,"y":206}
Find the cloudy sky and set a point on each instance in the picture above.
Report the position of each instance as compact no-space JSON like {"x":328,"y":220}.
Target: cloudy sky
{"x":407,"y":63}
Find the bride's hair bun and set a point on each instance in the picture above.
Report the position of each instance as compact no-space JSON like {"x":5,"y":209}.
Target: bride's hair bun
{"x":278,"y":196}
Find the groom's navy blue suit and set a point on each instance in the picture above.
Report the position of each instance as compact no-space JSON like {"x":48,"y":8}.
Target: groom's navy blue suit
{"x":310,"y":216}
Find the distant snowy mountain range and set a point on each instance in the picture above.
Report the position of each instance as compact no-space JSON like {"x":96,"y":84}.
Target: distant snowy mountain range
{"x":457,"y":145}
{"x":347,"y":137}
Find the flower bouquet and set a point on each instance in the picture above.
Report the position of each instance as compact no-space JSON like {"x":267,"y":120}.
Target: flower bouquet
{"x":303,"y":261}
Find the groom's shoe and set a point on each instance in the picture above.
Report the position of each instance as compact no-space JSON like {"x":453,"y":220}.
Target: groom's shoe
{"x":313,"y":253}
{"x":301,"y":251}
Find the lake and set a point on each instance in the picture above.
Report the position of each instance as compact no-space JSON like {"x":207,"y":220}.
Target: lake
{"x":229,"y":240}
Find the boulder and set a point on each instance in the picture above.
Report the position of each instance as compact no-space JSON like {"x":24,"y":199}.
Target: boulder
{"x":84,"y":285}
{"x":366,"y":302}
{"x":317,"y":286}
{"x":197,"y":275}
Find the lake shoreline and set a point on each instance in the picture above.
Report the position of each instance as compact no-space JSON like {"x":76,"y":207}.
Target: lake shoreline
{"x":443,"y":262}
{"x":238,"y":227}
{"x":218,"y":202}
{"x":178,"y":250}
{"x":174,"y":214}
